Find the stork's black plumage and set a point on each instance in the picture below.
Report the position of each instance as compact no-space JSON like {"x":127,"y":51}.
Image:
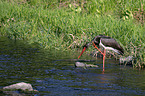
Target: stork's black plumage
{"x":108,"y":43}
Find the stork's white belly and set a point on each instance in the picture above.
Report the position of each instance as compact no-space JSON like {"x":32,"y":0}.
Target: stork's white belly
{"x":108,"y":48}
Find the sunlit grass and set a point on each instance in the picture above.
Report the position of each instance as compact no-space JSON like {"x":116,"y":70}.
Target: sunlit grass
{"x":67,"y":28}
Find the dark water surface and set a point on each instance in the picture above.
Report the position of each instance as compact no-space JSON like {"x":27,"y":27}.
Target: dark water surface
{"x":20,"y":62}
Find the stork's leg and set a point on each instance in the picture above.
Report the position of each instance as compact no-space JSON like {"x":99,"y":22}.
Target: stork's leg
{"x":104,"y":59}
{"x":97,"y":48}
{"x":104,"y":54}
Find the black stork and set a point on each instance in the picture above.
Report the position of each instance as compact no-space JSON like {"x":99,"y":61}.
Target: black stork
{"x":107,"y":43}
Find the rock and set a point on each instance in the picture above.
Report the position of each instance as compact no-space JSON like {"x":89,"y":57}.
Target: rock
{"x":22,"y":85}
{"x":127,"y":60}
{"x":91,"y":65}
{"x":79,"y":64}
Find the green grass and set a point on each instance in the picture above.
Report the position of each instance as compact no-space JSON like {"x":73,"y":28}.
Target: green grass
{"x":65,"y":25}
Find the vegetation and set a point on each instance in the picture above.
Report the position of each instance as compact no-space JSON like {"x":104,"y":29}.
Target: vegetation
{"x":68,"y":24}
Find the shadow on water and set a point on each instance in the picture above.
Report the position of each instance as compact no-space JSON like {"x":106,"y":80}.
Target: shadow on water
{"x":20,"y":62}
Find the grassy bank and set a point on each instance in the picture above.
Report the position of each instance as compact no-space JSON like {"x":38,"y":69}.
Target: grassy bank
{"x":65,"y":25}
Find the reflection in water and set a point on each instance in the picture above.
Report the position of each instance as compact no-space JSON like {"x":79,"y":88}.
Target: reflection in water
{"x":20,"y":62}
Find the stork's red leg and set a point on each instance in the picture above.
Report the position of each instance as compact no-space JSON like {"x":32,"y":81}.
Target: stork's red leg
{"x":104,"y":59}
{"x":97,"y":48}
{"x":104,"y":54}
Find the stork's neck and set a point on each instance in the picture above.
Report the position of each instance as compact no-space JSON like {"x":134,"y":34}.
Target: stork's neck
{"x":101,"y":45}
{"x":87,"y":45}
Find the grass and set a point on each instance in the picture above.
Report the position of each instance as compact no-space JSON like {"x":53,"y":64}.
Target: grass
{"x":64,"y":25}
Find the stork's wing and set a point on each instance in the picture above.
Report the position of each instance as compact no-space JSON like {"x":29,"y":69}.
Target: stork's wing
{"x":110,"y":42}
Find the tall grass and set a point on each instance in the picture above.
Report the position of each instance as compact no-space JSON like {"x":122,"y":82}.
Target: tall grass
{"x":49,"y":24}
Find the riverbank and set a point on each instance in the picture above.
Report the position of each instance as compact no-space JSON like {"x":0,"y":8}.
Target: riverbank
{"x":68,"y":25}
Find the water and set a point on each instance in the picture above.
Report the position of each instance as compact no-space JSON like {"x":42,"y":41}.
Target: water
{"x":21,"y":62}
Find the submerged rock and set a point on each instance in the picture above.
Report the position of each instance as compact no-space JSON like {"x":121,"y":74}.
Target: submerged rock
{"x":80,"y":64}
{"x":13,"y":93}
{"x":22,"y":86}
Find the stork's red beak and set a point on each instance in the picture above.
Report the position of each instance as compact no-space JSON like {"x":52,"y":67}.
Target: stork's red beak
{"x":82,"y":52}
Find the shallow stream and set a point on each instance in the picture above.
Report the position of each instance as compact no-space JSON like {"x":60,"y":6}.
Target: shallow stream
{"x":51,"y":76}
